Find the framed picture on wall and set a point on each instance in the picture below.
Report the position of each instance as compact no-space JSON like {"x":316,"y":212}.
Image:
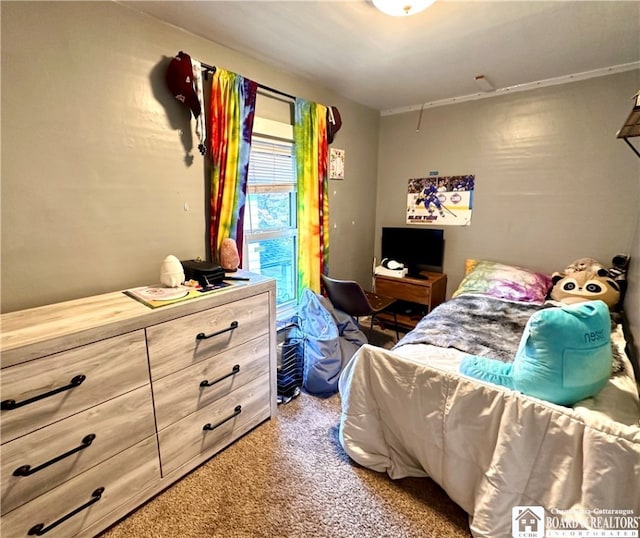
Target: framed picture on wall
{"x":336,"y":164}
{"x":442,"y":200}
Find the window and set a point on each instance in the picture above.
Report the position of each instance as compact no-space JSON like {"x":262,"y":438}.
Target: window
{"x":270,"y":224}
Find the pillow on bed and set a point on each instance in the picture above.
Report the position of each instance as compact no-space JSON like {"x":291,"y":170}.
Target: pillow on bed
{"x":502,"y":281}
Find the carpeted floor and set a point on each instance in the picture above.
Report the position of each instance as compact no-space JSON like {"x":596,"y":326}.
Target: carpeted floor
{"x":290,"y":478}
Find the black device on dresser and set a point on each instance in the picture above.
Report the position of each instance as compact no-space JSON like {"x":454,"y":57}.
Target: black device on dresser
{"x":207,"y":274}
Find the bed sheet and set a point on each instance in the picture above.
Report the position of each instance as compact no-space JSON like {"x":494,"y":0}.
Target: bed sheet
{"x":408,"y":412}
{"x":618,"y":401}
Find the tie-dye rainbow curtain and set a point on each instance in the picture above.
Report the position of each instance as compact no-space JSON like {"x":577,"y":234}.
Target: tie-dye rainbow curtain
{"x":310,"y":136}
{"x":231,"y":113}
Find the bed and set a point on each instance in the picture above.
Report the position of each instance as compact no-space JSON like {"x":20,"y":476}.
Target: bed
{"x":497,"y":453}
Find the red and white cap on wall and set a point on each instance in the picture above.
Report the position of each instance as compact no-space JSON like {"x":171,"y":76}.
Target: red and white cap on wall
{"x":181,"y":84}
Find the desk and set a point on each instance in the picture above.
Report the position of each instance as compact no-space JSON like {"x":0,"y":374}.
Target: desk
{"x":417,"y":296}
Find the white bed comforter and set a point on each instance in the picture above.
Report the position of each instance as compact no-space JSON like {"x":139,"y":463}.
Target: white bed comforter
{"x":409,"y":413}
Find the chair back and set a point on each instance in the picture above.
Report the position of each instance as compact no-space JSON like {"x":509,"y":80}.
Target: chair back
{"x":347,"y":295}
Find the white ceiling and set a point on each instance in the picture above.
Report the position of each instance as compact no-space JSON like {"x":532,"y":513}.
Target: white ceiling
{"x":390,"y":63}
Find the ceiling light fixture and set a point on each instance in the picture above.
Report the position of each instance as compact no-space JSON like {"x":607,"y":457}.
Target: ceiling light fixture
{"x":402,"y":8}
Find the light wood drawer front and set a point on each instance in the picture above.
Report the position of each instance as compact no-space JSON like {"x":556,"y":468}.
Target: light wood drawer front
{"x":115,"y":425}
{"x":186,"y":439}
{"x":111,"y":367}
{"x":173,"y":345}
{"x":122,"y":477}
{"x":404,"y":291}
{"x":180,"y":394}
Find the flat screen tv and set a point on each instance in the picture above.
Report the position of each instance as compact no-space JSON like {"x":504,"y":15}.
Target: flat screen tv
{"x":419,"y":249}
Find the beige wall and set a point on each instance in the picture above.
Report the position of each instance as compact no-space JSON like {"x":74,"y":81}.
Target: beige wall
{"x":101,"y":178}
{"x":96,"y":172}
{"x":552,"y":181}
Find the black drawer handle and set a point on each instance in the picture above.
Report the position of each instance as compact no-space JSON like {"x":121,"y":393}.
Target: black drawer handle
{"x":233,"y":371}
{"x":40,"y":529}
{"x":26,"y":470}
{"x":7,"y":405}
{"x":202,"y":336}
{"x":236,"y":412}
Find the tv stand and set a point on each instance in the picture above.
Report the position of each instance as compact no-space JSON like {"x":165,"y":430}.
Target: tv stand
{"x":416,"y":296}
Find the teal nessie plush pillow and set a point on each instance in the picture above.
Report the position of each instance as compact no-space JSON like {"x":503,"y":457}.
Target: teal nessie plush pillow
{"x":564,"y":355}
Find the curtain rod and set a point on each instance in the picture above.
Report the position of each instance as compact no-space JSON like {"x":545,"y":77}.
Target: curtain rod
{"x":212,"y":68}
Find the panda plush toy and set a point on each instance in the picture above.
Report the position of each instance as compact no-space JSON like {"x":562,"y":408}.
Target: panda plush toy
{"x":565,"y":353}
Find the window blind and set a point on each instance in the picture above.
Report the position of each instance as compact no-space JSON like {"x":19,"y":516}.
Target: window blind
{"x":271,"y":163}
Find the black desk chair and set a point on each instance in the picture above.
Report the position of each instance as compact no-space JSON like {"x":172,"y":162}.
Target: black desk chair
{"x":348,"y":296}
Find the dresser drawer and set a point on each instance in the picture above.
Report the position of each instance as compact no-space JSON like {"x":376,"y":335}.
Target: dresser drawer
{"x":122,"y":477}
{"x":105,"y":369}
{"x":230,"y":417}
{"x":73,"y":445}
{"x":180,"y":394}
{"x":404,"y":291}
{"x":174,"y":345}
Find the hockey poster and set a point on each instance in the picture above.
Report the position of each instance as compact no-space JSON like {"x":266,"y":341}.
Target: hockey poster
{"x":445,"y":200}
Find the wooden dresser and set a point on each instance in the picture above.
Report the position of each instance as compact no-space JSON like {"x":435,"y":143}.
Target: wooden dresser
{"x":417,"y":296}
{"x":105,"y":401}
